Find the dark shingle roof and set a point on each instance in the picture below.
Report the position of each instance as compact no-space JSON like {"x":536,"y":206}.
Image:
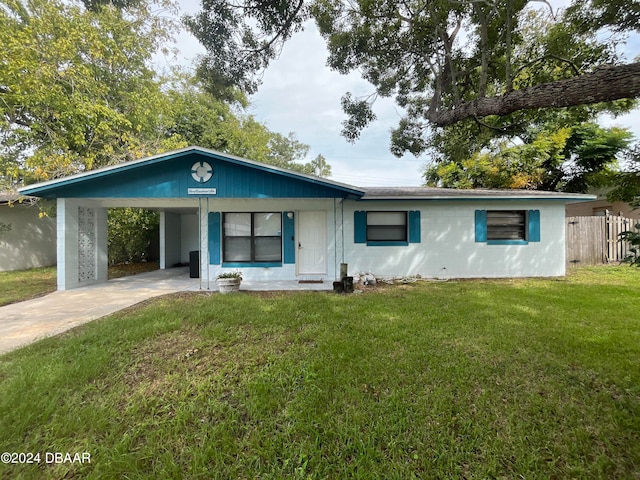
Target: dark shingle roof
{"x":430,"y":193}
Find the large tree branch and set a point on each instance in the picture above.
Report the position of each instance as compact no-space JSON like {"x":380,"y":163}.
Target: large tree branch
{"x":603,"y":85}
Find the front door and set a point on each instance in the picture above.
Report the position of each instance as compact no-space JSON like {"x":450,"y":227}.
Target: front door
{"x":312,"y":243}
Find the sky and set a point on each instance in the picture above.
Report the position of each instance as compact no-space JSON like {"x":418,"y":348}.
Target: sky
{"x":300,"y":94}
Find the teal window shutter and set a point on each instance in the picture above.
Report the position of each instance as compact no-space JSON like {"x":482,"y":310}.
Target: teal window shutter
{"x":534,"y":225}
{"x":360,"y":227}
{"x":288,"y":238}
{"x":414,"y":226}
{"x":481,"y":225}
{"x":214,"y":238}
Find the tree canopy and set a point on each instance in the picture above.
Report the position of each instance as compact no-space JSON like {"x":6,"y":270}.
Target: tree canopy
{"x":78,"y":91}
{"x":571,"y":159}
{"x":491,"y":62}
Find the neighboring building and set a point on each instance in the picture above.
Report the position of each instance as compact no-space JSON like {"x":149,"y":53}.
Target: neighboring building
{"x":601,"y":207}
{"x":26,"y":240}
{"x":277,"y":224}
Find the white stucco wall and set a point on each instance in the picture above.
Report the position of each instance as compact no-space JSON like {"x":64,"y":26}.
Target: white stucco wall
{"x":68,"y":244}
{"x":188,"y":235}
{"x":448,"y":248}
{"x":31,"y":242}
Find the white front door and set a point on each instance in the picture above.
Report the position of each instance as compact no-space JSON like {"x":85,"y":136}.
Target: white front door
{"x":312,"y":243}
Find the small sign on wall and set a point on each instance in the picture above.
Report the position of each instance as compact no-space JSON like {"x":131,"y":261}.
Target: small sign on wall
{"x":201,"y":191}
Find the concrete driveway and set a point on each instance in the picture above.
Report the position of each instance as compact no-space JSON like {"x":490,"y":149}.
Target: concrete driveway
{"x":24,"y":322}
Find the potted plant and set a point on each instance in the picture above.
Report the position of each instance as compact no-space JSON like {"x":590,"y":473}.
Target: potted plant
{"x":229,"y":281}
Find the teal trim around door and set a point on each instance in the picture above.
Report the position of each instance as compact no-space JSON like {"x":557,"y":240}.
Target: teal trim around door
{"x":288,"y":238}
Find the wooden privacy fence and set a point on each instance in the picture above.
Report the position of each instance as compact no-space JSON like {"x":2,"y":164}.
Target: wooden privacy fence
{"x":596,"y":240}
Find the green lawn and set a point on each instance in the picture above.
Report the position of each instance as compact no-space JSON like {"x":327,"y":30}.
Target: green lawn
{"x":21,"y":285}
{"x":469,"y":379}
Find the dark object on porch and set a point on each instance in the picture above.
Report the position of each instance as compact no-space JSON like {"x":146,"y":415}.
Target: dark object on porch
{"x":347,"y":284}
{"x":194,"y":264}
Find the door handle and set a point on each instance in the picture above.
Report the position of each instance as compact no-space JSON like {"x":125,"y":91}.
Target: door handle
{"x":299,"y":245}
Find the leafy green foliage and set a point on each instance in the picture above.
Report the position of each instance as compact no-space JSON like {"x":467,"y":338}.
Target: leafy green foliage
{"x":76,"y":88}
{"x":235,"y":49}
{"x":443,"y":62}
{"x":201,"y":119}
{"x":633,"y":257}
{"x":627,"y":182}
{"x":131,"y":231}
{"x":568,"y":159}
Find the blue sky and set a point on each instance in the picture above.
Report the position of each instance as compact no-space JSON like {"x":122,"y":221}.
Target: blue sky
{"x":301,"y":94}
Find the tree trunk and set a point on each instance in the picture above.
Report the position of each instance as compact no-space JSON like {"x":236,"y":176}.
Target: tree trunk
{"x":603,"y":85}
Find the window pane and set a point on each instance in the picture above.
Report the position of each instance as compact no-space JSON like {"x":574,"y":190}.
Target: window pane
{"x":387,"y":233}
{"x":506,"y":225}
{"x":237,"y":224}
{"x":268,"y":249}
{"x":386,"y":218}
{"x":267,"y":224}
{"x":237,"y":249}
{"x":387,"y":226}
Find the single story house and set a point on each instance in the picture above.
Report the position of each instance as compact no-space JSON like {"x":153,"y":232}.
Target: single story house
{"x":273,"y":223}
{"x":27,"y":240}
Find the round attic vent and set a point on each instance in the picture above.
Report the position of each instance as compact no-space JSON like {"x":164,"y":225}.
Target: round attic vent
{"x":201,"y":172}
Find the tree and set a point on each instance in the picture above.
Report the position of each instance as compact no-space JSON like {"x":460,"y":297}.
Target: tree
{"x":76,"y":88}
{"x":627,"y":182}
{"x":627,"y":189}
{"x":201,"y":119}
{"x":443,"y":61}
{"x":567,"y":159}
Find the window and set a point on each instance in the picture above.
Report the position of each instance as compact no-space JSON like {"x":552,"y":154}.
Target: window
{"x":505,"y":227}
{"x":377,"y":228}
{"x":386,"y":226}
{"x":252,"y":238}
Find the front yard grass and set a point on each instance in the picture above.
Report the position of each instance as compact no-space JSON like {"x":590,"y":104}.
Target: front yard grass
{"x":532,"y":378}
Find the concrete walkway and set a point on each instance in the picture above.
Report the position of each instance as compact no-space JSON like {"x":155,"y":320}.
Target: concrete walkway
{"x":24,"y":322}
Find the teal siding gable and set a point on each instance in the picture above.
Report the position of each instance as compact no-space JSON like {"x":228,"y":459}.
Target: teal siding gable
{"x":171,"y":176}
